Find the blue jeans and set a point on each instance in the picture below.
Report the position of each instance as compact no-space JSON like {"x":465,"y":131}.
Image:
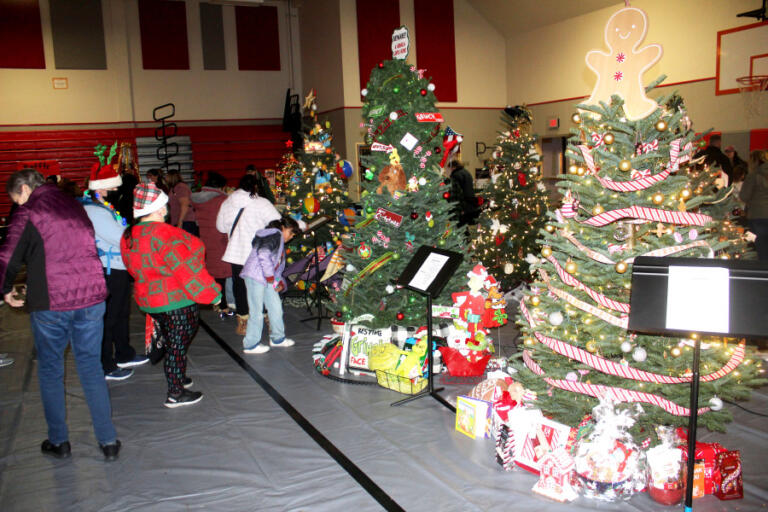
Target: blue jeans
{"x":53,"y":331}
{"x":259,"y":296}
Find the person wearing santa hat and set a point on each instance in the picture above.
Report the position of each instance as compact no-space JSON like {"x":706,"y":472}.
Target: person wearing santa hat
{"x":168,"y":267}
{"x":118,"y":357}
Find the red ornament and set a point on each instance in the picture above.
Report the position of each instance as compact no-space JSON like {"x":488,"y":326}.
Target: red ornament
{"x":438,"y":150}
{"x":499,"y":239}
{"x":521,"y":179}
{"x":289,"y":144}
{"x":400,"y":316}
{"x":446,"y":195}
{"x":414,"y":215}
{"x":338,"y":314}
{"x":423,"y":92}
{"x":480,"y":200}
{"x":381,"y":65}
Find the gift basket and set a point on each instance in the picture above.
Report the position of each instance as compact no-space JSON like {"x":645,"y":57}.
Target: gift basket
{"x":609,"y":465}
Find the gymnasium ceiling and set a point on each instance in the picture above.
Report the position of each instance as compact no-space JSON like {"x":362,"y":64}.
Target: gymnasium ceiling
{"x":511,"y":17}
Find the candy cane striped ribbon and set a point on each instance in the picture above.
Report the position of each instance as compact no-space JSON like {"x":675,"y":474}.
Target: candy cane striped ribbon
{"x":643,"y":212}
{"x":596,"y":296}
{"x":589,"y":308}
{"x":646,"y":181}
{"x":616,"y":369}
{"x":620,"y":394}
{"x":601,"y":258}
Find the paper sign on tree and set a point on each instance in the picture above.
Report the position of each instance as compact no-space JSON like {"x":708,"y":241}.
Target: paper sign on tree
{"x":620,"y":69}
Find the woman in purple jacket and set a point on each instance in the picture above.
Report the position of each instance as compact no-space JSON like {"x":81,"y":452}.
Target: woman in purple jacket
{"x":263,"y":276}
{"x":52,"y":235}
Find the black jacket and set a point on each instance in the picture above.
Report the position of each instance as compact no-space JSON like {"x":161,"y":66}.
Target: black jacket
{"x":463,"y":193}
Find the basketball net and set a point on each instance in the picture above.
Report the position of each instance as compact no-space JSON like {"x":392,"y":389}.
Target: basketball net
{"x":754,"y":93}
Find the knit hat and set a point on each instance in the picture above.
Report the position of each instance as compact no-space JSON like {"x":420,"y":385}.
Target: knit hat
{"x":147,"y":198}
{"x":104,"y":177}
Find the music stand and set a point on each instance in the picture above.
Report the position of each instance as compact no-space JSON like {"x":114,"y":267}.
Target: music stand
{"x":681,"y":296}
{"x":427,"y":273}
{"x":312,"y":227}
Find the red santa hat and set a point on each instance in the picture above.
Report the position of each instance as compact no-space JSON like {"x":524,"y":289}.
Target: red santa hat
{"x":478,"y":271}
{"x":490,"y":282}
{"x":104,"y":177}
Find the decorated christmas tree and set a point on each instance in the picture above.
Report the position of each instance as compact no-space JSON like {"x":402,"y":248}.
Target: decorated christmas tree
{"x":317,"y":184}
{"x":624,"y":197}
{"x":509,"y":226}
{"x":403,"y":199}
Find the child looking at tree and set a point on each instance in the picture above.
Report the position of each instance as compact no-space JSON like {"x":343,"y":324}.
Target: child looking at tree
{"x":263,"y":276}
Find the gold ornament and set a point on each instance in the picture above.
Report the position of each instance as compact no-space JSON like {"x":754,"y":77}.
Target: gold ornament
{"x":661,"y":125}
{"x":576,"y":118}
{"x":573,"y":169}
{"x":676,"y":351}
{"x":580,"y":171}
{"x":535,"y":300}
{"x":685,"y":193}
{"x":608,"y":138}
{"x":529,"y":341}
{"x":658,"y":198}
{"x":571,"y":267}
{"x":625,"y":165}
{"x":621,"y":267}
{"x":550,"y":228}
{"x":546,"y":251}
{"x":591,"y":346}
{"x":597,"y":210}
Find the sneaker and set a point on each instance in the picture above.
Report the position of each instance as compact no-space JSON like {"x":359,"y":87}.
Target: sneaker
{"x":186,"y":382}
{"x":136,"y":361}
{"x":6,"y":361}
{"x":119,"y":374}
{"x":256,"y":349}
{"x":185,"y":398}
{"x":60,"y":451}
{"x":110,"y":450}
{"x":287,"y":342}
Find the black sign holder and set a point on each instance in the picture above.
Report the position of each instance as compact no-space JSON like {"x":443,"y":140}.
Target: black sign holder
{"x":427,"y":274}
{"x":747,"y":317}
{"x":317,"y":301}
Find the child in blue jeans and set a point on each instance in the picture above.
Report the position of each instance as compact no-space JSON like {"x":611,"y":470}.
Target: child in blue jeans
{"x":263,"y":276}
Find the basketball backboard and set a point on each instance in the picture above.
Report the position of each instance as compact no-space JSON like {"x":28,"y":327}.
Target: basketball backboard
{"x":741,"y":51}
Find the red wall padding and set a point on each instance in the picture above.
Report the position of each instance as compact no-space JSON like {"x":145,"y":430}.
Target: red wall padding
{"x":758,"y":139}
{"x":21,"y":35}
{"x":436,"y":45}
{"x":258,"y":38}
{"x":375,"y":23}
{"x":163,"y":34}
{"x":224,"y":149}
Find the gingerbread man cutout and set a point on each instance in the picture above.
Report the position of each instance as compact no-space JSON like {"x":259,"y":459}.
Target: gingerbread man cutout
{"x":620,"y":70}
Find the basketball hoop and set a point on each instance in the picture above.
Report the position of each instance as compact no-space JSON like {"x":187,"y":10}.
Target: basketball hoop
{"x":754,"y":92}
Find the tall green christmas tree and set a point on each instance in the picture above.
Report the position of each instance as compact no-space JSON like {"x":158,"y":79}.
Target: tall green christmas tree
{"x":509,"y":226}
{"x":625,"y":197}
{"x":403,"y":199}
{"x":317,"y":183}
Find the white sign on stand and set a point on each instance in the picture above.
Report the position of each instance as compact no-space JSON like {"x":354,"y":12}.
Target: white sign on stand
{"x":428,"y":271}
{"x":400,"y":43}
{"x":698,"y":299}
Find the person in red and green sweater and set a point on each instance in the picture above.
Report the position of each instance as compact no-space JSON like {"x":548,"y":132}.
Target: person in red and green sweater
{"x":168,"y":265}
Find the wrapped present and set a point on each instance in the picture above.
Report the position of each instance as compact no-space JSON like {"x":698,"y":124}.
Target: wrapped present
{"x":666,"y":483}
{"x":609,"y":465}
{"x":704,"y":469}
{"x":729,"y":485}
{"x":557,"y":477}
{"x":541,"y":438}
{"x":473,"y":417}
